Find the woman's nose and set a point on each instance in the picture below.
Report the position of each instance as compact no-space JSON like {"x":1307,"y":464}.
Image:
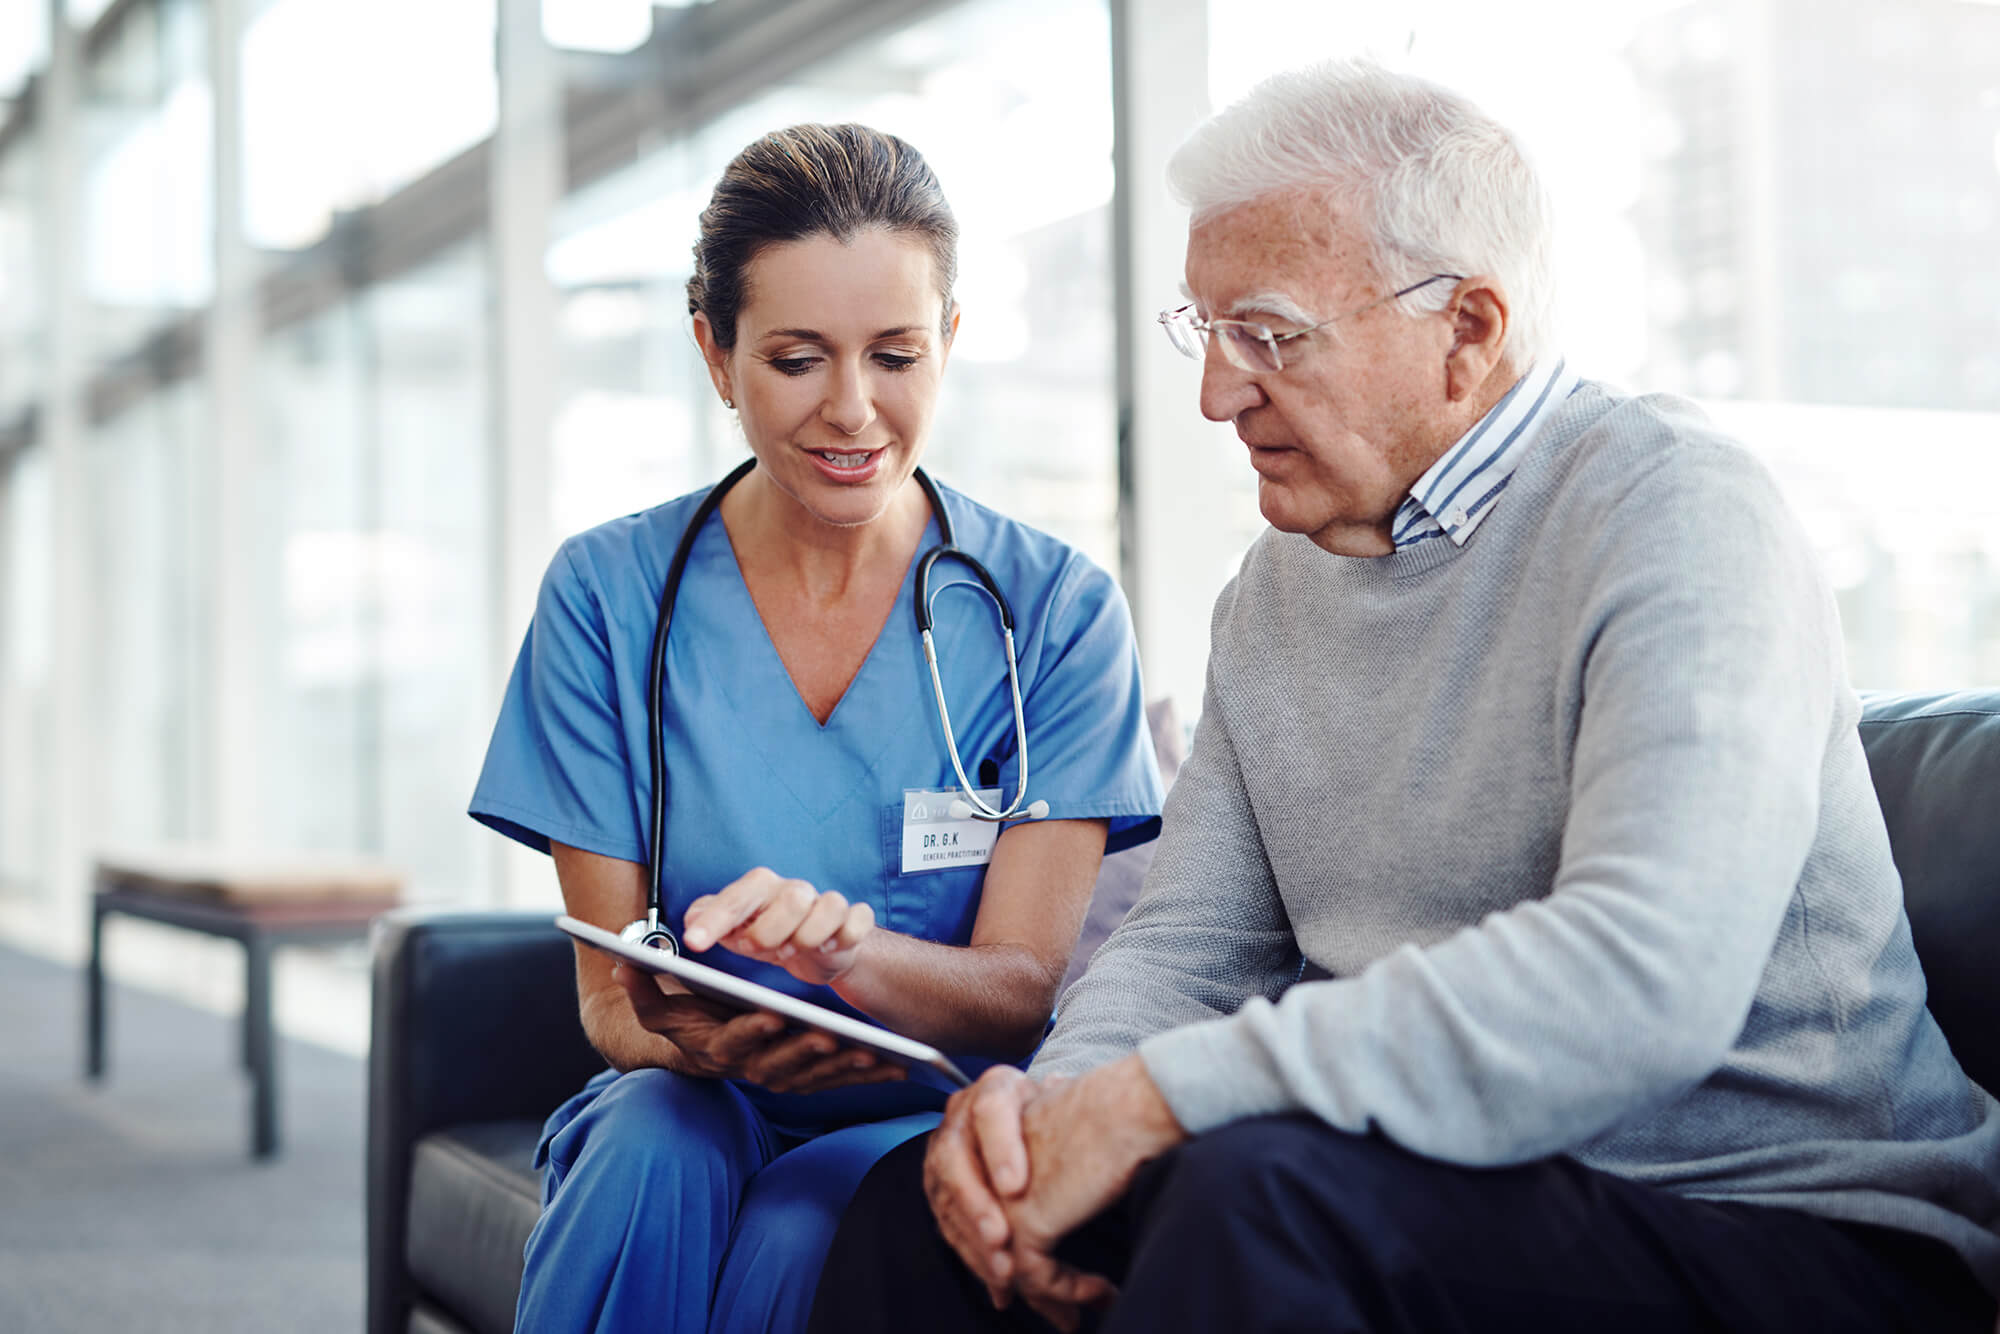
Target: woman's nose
{"x":849,"y":408}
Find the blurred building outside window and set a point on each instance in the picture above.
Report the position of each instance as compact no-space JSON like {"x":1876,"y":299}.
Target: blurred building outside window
{"x":24,"y":44}
{"x":608,"y":26}
{"x":346,"y":101}
{"x":376,"y":555}
{"x":80,"y":13}
{"x":146,"y":130}
{"x":147,"y":620}
{"x":26,"y":515}
{"x":21,"y":316}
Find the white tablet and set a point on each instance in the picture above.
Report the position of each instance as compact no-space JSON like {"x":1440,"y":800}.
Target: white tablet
{"x":733,"y":990}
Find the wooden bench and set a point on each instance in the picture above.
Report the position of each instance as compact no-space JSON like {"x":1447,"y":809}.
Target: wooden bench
{"x":262,"y":900}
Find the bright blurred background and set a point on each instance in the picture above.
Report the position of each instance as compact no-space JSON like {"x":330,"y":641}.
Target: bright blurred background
{"x":322,"y":321}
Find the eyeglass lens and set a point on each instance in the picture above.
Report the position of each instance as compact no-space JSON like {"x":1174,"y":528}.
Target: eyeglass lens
{"x":1182,"y":333}
{"x":1249,"y":347}
{"x":1244,"y":345}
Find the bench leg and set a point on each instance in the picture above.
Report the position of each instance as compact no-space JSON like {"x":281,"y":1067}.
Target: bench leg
{"x":93,"y":999}
{"x":260,"y":1050}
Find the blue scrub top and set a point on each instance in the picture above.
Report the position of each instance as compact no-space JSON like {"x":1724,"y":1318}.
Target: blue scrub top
{"x":753,"y":779}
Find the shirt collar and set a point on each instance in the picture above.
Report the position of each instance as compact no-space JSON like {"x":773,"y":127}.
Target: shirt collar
{"x":1456,"y":494}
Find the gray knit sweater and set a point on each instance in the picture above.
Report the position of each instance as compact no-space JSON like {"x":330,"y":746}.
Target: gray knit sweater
{"x":1577,"y":820}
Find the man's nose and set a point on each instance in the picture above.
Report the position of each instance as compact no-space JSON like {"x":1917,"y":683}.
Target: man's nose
{"x":849,"y":408}
{"x":1226,"y":391}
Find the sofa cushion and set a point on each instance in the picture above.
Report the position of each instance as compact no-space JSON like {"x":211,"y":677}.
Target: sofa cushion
{"x":1119,"y":879}
{"x":428,"y":1319}
{"x":474,"y":1197}
{"x":1936,"y":764}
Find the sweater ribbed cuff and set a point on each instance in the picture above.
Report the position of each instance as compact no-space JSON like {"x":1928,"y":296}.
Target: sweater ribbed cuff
{"x":1213,"y":1073}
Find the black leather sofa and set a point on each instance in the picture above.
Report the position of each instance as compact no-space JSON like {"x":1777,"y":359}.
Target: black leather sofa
{"x":476,"y":1038}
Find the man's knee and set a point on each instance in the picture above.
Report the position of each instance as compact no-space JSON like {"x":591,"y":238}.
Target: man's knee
{"x":1257,"y":1153}
{"x":889,"y":1204}
{"x":1270,"y":1172}
{"x":887,"y":1258}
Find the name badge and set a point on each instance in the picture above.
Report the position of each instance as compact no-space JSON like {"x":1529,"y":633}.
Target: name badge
{"x":933,"y":840}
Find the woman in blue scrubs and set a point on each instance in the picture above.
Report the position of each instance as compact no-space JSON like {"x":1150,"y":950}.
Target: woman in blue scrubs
{"x":697,"y":1182}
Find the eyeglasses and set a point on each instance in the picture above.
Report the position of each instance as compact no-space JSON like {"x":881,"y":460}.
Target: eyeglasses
{"x":1253,"y":347}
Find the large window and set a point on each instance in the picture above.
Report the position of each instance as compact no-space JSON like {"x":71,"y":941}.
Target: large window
{"x":24,"y":44}
{"x":147,"y":222}
{"x":1786,"y":209}
{"x":26,"y":579}
{"x":146,"y":618}
{"x":21,"y":287}
{"x":375,"y":565}
{"x":346,"y":101}
{"x":1010,"y":102}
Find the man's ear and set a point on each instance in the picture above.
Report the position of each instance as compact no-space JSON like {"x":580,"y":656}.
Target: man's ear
{"x":714,"y":355}
{"x":1480,"y":322}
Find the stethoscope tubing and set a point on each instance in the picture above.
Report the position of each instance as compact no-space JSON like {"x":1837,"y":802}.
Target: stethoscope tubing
{"x":656,"y":680}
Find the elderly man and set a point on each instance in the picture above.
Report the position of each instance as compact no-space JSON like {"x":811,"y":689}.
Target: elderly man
{"x":1523,"y":949}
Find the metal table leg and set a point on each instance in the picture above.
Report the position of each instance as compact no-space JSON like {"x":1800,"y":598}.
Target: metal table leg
{"x":261,"y":1051}
{"x":93,"y":999}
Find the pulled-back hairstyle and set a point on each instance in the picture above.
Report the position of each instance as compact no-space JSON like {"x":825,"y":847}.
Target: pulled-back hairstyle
{"x":1444,"y":187}
{"x":814,"y":180}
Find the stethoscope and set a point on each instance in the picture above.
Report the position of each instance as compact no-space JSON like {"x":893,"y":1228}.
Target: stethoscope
{"x":969,"y":805}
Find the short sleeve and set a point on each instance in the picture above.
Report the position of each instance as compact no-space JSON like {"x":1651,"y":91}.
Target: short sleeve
{"x":1090,"y":752}
{"x":558,"y":766}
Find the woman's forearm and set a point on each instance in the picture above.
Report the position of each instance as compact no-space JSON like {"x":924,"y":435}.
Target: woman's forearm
{"x":993,"y":999}
{"x":612,"y":1027}
{"x":995,"y":995}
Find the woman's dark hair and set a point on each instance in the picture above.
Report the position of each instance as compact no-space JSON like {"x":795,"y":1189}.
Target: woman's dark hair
{"x":814,"y":180}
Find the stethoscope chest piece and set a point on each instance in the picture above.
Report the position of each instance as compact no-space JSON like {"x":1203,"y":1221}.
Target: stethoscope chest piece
{"x":644,"y":932}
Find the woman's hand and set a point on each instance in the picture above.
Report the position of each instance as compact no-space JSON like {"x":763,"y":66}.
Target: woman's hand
{"x":719,"y":1042}
{"x":763,"y":916}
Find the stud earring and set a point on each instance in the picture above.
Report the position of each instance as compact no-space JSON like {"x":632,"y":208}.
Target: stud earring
{"x":729,"y":403}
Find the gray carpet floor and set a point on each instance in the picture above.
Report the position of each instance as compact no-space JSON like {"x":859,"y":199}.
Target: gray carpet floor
{"x":133,"y":1205}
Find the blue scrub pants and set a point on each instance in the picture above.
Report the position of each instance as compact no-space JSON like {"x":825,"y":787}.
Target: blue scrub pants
{"x":669,"y":1203}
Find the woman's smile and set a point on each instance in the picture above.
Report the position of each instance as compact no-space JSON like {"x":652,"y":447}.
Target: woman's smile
{"x":848,"y":466}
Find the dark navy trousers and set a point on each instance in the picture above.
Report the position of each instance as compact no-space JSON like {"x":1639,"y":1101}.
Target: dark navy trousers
{"x":1281,"y":1224}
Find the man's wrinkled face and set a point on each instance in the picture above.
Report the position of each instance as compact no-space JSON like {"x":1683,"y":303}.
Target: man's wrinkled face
{"x":1360,"y":409}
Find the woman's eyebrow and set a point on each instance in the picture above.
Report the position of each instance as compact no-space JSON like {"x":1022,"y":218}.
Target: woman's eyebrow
{"x":815,"y":336}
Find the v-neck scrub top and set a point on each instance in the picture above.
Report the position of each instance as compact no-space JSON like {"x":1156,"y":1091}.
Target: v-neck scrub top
{"x":754,"y":780}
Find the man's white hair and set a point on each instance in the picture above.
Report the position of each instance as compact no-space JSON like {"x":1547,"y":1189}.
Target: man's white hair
{"x":1451,"y":190}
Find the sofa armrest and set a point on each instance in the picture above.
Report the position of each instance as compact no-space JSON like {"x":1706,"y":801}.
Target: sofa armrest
{"x":1935,"y":759}
{"x":475,"y":1019}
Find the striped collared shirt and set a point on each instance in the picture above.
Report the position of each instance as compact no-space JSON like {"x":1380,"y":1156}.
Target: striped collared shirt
{"x":1458,"y":491}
